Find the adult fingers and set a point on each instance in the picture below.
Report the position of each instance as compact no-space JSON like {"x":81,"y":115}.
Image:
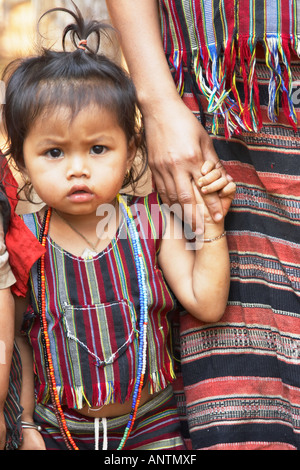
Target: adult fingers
{"x":165,"y":187}
{"x":211,"y":160}
{"x":186,"y":198}
{"x":213,"y":202}
{"x":214,"y":206}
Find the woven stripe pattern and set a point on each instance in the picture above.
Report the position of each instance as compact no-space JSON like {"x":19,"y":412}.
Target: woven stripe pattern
{"x":211,"y":44}
{"x":93,"y":316}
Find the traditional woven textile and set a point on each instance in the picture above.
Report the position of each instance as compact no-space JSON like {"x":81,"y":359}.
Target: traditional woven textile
{"x":241,"y":375}
{"x":212,"y":44}
{"x":92,"y":309}
{"x":157,"y":427}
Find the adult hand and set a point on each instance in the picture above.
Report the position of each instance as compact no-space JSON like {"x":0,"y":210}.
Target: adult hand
{"x":178,"y":145}
{"x":213,"y":181}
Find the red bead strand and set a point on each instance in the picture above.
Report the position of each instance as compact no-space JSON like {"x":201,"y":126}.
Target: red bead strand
{"x":48,"y":358}
{"x":50,"y":370}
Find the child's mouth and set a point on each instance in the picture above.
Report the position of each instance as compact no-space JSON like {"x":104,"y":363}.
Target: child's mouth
{"x":80,"y":194}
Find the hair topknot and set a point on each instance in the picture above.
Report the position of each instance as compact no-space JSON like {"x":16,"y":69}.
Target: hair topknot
{"x":82,"y":29}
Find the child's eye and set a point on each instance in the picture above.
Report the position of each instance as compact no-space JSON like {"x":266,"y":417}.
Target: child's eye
{"x":98,"y":149}
{"x":54,"y":153}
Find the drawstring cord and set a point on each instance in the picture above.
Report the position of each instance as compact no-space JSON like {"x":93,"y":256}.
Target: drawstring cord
{"x":105,"y":442}
{"x":97,"y":426}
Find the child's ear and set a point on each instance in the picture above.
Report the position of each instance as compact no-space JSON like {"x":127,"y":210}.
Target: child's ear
{"x":131,"y":152}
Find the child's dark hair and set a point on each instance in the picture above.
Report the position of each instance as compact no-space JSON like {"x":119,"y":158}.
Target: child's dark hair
{"x":72,"y":79}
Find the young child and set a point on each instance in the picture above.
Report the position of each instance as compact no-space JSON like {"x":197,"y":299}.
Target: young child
{"x":101,"y":299}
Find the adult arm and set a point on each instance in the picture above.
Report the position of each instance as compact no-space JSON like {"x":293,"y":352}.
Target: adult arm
{"x":177,"y":142}
{"x":32,"y":439}
{"x":7,"y":315}
{"x":6,"y":348}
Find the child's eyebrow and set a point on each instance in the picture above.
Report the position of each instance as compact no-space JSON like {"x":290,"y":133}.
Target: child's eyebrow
{"x":100,"y":137}
{"x":57,"y":140}
{"x":50,"y":141}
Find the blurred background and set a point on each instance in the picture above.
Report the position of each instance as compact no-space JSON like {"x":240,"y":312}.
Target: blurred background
{"x":19,"y":18}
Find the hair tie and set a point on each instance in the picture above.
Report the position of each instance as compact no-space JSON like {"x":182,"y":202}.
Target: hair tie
{"x":82,"y":44}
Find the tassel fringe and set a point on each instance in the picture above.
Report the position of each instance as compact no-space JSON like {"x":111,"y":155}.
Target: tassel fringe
{"x":104,"y":394}
{"x":216,"y":77}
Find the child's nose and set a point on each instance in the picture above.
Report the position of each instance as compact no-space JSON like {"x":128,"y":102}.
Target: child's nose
{"x":78,"y":167}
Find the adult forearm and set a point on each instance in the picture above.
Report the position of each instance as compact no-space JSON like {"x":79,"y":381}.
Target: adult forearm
{"x":6,"y":341}
{"x":140,"y":37}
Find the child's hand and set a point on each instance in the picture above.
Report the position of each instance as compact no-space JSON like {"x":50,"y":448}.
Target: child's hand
{"x":213,"y":181}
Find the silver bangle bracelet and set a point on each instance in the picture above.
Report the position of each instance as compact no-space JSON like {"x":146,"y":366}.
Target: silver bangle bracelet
{"x":209,"y":240}
{"x":27,"y":425}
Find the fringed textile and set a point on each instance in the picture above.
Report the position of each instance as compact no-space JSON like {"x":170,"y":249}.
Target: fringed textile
{"x":212,"y":43}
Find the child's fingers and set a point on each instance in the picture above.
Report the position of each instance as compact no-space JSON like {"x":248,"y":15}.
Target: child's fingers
{"x":216,"y":185}
{"x":210,"y":177}
{"x":228,"y":190}
{"x":207,"y":166}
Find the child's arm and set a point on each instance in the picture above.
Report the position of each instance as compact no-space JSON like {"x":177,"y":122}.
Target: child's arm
{"x":199,"y":278}
{"x":32,"y":439}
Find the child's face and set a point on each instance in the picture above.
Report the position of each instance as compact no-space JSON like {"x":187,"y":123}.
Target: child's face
{"x":76,"y":165}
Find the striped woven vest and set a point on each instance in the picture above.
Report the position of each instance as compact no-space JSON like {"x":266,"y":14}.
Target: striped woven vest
{"x":93,"y":315}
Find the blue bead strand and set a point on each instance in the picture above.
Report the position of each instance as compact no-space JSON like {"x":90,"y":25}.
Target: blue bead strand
{"x":143,"y":296}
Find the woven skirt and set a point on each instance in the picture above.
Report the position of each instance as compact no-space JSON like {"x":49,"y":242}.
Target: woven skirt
{"x":157,"y":427}
{"x":242,"y":375}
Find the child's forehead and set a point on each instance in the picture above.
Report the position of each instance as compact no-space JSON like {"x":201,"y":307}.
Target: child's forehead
{"x":66,"y":100}
{"x":70,"y":112}
{"x":91,"y":116}
{"x":73,"y":94}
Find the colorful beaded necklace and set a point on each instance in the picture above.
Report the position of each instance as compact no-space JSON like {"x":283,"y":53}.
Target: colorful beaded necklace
{"x":143,"y":323}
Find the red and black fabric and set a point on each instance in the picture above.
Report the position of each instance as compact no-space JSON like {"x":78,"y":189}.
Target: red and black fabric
{"x":241,"y":375}
{"x":23,"y":248}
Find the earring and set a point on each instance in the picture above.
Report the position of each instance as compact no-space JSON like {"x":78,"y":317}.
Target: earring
{"x":127,"y":174}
